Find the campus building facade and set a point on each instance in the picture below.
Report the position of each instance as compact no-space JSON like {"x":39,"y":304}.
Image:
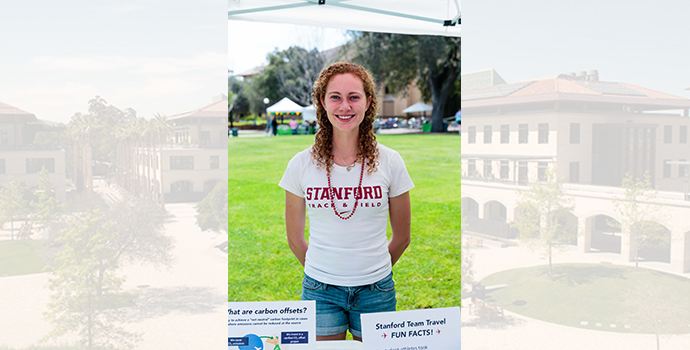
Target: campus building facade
{"x":20,"y":159}
{"x":591,"y":134}
{"x":194,"y":160}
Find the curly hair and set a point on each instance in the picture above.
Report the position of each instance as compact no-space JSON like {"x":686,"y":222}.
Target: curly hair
{"x":322,"y":151}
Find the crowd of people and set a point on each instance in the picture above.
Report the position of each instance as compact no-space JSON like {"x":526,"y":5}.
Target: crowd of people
{"x":306,"y":126}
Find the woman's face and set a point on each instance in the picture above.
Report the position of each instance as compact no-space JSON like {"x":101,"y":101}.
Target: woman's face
{"x":345,"y":102}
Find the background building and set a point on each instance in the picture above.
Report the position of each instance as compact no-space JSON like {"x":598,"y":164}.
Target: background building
{"x":194,"y":159}
{"x":592,"y":133}
{"x":20,"y":159}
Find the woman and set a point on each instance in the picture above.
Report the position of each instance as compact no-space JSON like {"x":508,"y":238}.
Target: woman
{"x":348,"y":184}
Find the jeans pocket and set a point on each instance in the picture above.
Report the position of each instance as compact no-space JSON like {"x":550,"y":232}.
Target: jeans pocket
{"x":385,"y":285}
{"x":310,"y":283}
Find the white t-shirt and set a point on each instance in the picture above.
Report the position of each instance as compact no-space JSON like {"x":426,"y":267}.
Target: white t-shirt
{"x":351,"y":252}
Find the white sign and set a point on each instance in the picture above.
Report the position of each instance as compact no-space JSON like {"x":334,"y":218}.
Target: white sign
{"x":426,"y":329}
{"x":272,"y":325}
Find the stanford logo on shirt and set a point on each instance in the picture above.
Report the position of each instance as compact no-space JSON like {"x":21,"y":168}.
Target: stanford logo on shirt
{"x":341,"y":193}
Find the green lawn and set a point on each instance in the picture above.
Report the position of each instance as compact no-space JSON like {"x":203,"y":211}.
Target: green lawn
{"x":592,"y":293}
{"x":260,"y":263}
{"x":22,"y":257}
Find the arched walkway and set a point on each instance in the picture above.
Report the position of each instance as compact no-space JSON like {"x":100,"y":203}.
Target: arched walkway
{"x":181,"y":186}
{"x":470,"y":207}
{"x":605,"y":234}
{"x":657,"y":246}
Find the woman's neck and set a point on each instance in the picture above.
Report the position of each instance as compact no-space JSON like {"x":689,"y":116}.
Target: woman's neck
{"x":346,"y":145}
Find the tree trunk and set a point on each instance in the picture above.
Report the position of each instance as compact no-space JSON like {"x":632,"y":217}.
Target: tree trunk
{"x":441,"y":87}
{"x":550,"y":269}
{"x":657,"y":341}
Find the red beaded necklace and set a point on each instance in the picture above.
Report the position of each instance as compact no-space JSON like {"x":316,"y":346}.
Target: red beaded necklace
{"x":358,"y":193}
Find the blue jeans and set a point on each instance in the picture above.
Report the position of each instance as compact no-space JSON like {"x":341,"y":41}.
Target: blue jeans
{"x":339,"y":308}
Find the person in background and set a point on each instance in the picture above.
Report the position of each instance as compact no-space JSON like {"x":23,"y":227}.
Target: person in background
{"x":293,"y":125}
{"x":274,"y":126}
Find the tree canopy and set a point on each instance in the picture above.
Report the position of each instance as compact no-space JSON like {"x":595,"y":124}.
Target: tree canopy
{"x":213,"y":209}
{"x":398,"y":60}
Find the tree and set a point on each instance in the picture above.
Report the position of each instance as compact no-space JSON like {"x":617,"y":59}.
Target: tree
{"x":87,"y":298}
{"x":213,"y":209}
{"x":466,"y":261}
{"x":540,"y":223}
{"x":291,"y":73}
{"x":639,"y":217}
{"x":87,"y":295}
{"x":139,"y":223}
{"x":12,"y":203}
{"x":46,"y":208}
{"x":655,"y":308}
{"x":399,"y":60}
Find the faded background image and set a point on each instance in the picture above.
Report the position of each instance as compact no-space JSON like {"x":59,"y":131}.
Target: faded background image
{"x":575,"y":158}
{"x":113,"y":175}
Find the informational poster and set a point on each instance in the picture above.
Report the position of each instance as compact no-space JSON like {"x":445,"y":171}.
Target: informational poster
{"x":426,"y":329}
{"x":272,"y":325}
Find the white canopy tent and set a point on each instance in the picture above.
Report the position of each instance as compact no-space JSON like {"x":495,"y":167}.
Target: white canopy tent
{"x":309,"y":113}
{"x":431,"y":17}
{"x":418,"y":107}
{"x":285,"y":106}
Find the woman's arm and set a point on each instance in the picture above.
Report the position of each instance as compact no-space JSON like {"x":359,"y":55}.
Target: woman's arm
{"x":295,"y":217}
{"x":399,"y":210}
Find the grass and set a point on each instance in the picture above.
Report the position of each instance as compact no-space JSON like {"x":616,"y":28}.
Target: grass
{"x":260,"y":263}
{"x":22,"y":257}
{"x":586,"y":292}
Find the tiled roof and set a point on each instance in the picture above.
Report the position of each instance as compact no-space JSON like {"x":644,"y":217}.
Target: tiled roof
{"x":214,"y":110}
{"x":565,"y":87}
{"x":6,"y":109}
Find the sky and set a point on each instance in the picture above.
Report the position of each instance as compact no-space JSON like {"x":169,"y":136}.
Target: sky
{"x":153,"y":56}
{"x":250,"y":42}
{"x":643,"y":43}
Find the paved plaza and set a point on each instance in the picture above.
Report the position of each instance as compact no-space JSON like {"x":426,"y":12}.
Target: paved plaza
{"x":519,"y":332}
{"x":183,"y":307}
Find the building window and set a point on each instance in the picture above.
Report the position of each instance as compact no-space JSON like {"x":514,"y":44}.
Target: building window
{"x":2,"y":166}
{"x":3,"y":137}
{"x":215,"y":162}
{"x":681,"y":169}
{"x":523,"y":133}
{"x":543,"y":132}
{"x":522,"y":173}
{"x":487,"y":133}
{"x":683,"y":134}
{"x":541,"y":171}
{"x":472,"y":134}
{"x":668,"y":133}
{"x":471,"y":167}
{"x":505,"y":133}
{"x":35,"y":165}
{"x":181,"y":162}
{"x":487,"y":168}
{"x":574,"y":133}
{"x":574,"y":172}
{"x":505,"y":170}
{"x":205,"y":137}
{"x":667,"y":168}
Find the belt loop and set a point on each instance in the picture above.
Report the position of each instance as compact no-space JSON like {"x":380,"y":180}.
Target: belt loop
{"x":371,"y":287}
{"x":325,"y":286}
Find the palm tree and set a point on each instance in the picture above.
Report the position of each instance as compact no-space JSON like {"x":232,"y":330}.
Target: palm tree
{"x":80,"y":129}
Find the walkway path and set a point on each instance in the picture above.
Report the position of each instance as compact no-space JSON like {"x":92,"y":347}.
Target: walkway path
{"x":519,"y":332}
